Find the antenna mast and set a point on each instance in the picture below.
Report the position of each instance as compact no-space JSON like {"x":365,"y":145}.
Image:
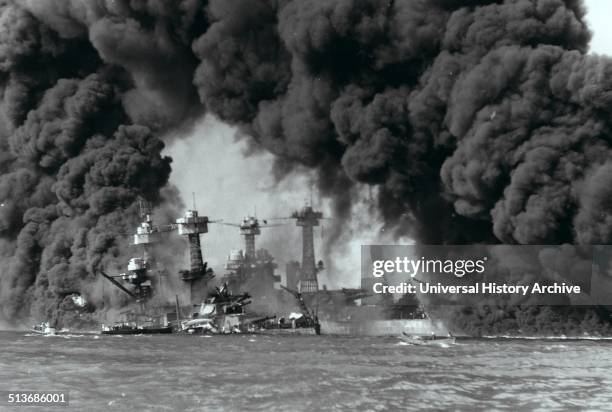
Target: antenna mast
{"x":311,"y":204}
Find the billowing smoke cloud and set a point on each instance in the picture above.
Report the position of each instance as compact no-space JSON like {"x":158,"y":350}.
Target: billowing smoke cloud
{"x":478,"y":121}
{"x":78,"y":140}
{"x":483,"y":121}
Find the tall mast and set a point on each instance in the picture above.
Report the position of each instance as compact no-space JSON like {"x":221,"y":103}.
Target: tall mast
{"x":308,"y":218}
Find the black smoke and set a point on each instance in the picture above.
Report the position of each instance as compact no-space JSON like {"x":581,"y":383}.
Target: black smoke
{"x":484,"y":122}
{"x":87,"y":88}
{"x":478,"y":121}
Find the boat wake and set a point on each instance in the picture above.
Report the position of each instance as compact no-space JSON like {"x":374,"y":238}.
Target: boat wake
{"x":57,"y":335}
{"x":437,"y":344}
{"x":429,"y":340}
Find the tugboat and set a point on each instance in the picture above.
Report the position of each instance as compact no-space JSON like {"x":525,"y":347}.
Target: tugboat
{"x":137,"y":323}
{"x":126,"y":328}
{"x":43,"y":328}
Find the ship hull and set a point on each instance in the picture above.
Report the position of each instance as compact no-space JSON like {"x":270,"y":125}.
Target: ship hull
{"x":136,"y":331}
{"x":394,"y":327}
{"x":300,"y":331}
{"x":288,"y":331}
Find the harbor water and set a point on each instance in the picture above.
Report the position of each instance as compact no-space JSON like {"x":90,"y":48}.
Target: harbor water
{"x":301,"y":373}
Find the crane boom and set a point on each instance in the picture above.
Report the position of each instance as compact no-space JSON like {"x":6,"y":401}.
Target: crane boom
{"x":301,"y":303}
{"x":119,"y":285}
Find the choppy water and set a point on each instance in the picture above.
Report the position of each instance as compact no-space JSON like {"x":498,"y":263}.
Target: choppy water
{"x":245,"y":372}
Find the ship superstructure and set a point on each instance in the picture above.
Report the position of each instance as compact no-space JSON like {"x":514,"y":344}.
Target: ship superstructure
{"x":253,"y":269}
{"x":143,"y":278}
{"x":191,"y":226}
{"x":138,"y":280}
{"x":307,"y":218}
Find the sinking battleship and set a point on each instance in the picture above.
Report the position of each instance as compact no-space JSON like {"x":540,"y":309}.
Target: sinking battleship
{"x":254,"y":270}
{"x":219,"y":311}
{"x":351,"y":311}
{"x":142,"y":275}
{"x":251,"y":274}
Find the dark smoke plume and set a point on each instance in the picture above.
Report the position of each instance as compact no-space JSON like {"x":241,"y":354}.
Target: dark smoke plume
{"x":478,"y":121}
{"x":85,"y":90}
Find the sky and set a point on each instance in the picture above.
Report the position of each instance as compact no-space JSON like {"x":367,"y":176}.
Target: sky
{"x":229,"y":185}
{"x":599,"y":13}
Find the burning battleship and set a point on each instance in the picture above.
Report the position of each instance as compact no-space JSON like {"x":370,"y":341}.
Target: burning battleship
{"x":137,"y":282}
{"x":351,"y":311}
{"x":251,"y":274}
{"x":218,"y":309}
{"x":253,"y":269}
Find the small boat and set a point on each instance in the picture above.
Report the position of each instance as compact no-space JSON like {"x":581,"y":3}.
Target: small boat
{"x":427,"y":339}
{"x":43,"y":328}
{"x":297,"y":324}
{"x":131,"y":329}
